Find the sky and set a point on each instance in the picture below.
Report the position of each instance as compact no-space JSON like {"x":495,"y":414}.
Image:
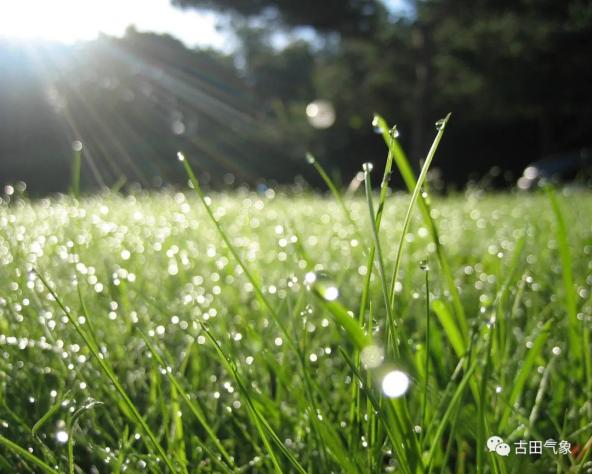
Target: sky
{"x":68,"y":21}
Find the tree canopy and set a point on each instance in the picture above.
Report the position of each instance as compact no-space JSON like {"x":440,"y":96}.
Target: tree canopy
{"x":515,"y":75}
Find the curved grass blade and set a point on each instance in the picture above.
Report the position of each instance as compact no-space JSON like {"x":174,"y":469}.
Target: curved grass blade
{"x":336,"y":194}
{"x":524,"y":373}
{"x":390,"y":334}
{"x":258,"y":419}
{"x":27,"y":455}
{"x":408,"y":177}
{"x":195,"y":410}
{"x":414,"y":196}
{"x":49,"y":413}
{"x":459,"y":392}
{"x":345,"y":319}
{"x":235,"y":254}
{"x":454,"y":334}
{"x":394,"y":435}
{"x":574,"y":326}
{"x":110,"y":375}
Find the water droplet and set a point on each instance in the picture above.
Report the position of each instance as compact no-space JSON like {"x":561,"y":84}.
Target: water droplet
{"x":423,"y":264}
{"x":372,"y":356}
{"x":310,"y":278}
{"x":180,"y":156}
{"x":395,"y":383}
{"x":367,"y":167}
{"x":556,"y":350}
{"x":62,"y":436}
{"x":376,"y":125}
{"x":440,"y":124}
{"x":498,"y":389}
{"x":394,"y":132}
{"x":323,"y":284}
{"x":320,"y":114}
{"x":310,"y":159}
{"x":417,"y":429}
{"x":331,"y":293}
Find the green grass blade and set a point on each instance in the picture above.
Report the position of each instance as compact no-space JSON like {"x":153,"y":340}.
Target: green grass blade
{"x":575,"y":347}
{"x":48,"y":414}
{"x":27,"y":455}
{"x":391,"y":334}
{"x":344,"y":318}
{"x":377,"y":220}
{"x":454,"y":334}
{"x":409,"y":178}
{"x":413,"y":200}
{"x":524,"y":373}
{"x":459,"y":392}
{"x":257,"y":417}
{"x":235,"y":254}
{"x":195,"y":410}
{"x":110,"y":375}
{"x":336,"y":194}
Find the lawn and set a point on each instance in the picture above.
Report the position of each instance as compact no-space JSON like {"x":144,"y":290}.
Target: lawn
{"x":156,"y":347}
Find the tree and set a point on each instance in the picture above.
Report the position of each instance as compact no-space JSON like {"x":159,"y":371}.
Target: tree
{"x":349,"y":17}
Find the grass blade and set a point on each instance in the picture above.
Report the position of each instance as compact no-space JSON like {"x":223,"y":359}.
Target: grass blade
{"x":110,"y":375}
{"x":568,"y":283}
{"x":416,"y":191}
{"x":408,"y":177}
{"x":524,"y":372}
{"x":27,"y":455}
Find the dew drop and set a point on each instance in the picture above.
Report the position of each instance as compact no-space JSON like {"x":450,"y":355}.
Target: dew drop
{"x":180,"y":156}
{"x":310,"y":159}
{"x":395,"y":383}
{"x":440,"y":124}
{"x":423,"y":264}
{"x":310,"y":278}
{"x":376,"y":125}
{"x":372,"y":356}
{"x":367,"y":167}
{"x":62,"y":436}
{"x":394,"y":132}
{"x":322,"y":284}
{"x":331,"y":293}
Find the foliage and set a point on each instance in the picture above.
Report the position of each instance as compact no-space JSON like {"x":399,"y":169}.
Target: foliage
{"x":216,"y":357}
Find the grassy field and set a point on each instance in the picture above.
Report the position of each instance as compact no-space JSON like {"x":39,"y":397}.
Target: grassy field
{"x":166,"y":325}
{"x":293,"y":332}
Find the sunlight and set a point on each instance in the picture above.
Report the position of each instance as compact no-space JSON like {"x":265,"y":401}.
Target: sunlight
{"x":68,"y":21}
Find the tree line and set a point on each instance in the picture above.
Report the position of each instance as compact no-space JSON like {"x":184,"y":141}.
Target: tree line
{"x":515,"y":75}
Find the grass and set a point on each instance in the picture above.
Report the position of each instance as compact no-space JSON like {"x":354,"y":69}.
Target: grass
{"x":230,"y":332}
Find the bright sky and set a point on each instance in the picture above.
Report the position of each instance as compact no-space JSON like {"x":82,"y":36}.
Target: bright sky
{"x":69,"y":21}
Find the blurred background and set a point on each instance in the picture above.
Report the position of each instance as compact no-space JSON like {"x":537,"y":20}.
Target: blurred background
{"x":246,"y":87}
